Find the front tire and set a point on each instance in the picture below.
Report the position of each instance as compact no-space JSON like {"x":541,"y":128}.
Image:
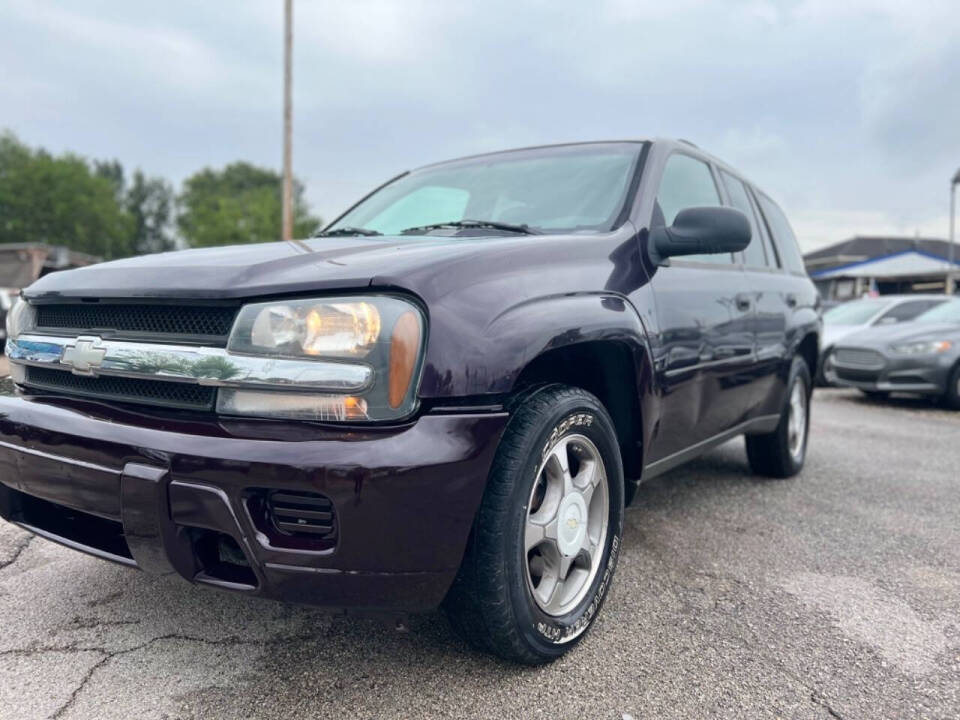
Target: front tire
{"x":827,"y":376}
{"x":547,"y":536}
{"x":781,"y":453}
{"x":951,"y":398}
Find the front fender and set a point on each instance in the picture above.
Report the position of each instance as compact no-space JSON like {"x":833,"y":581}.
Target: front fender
{"x":490,"y":360}
{"x":804,"y":322}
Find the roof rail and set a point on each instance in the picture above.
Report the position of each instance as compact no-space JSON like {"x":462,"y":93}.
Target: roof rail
{"x":687,"y":142}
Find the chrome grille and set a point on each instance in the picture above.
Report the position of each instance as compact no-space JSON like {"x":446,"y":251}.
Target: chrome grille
{"x":858,"y":357}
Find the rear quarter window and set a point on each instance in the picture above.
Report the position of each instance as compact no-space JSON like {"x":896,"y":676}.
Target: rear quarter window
{"x":783,"y":236}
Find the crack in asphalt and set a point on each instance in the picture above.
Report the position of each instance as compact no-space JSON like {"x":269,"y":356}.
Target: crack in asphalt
{"x":112,"y":654}
{"x":816,"y":697}
{"x":83,"y":683}
{"x":82,"y":623}
{"x":17,"y":552}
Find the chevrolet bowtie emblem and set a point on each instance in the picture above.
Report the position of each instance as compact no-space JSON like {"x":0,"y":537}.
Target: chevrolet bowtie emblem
{"x":83,"y":356}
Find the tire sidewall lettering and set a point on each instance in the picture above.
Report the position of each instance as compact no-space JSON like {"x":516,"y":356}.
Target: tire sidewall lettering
{"x":548,"y":629}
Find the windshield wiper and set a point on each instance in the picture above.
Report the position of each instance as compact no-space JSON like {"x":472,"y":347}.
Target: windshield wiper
{"x":523,"y":229}
{"x":348,"y":230}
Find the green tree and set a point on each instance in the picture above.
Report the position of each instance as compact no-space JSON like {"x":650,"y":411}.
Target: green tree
{"x":111,"y":170}
{"x":59,"y":200}
{"x":149,"y":201}
{"x":239,"y":204}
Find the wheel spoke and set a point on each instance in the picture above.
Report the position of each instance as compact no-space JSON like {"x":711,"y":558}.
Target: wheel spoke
{"x":547,"y":589}
{"x":556,"y":593}
{"x":537,"y":532}
{"x":587,"y":480}
{"x":560,"y":466}
{"x":588,"y":550}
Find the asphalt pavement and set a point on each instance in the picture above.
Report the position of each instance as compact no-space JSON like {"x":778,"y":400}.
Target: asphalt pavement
{"x":832,"y":595}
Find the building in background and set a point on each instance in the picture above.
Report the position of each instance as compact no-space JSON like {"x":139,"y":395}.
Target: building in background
{"x":880,"y":265}
{"x":22,"y":263}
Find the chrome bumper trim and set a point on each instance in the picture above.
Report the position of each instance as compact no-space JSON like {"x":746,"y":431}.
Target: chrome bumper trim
{"x":181,"y":363}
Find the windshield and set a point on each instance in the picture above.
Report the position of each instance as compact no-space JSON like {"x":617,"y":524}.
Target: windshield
{"x":568,"y":189}
{"x":856,"y":312}
{"x":948,"y":312}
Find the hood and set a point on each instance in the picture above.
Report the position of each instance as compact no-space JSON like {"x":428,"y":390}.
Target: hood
{"x":884,"y":335}
{"x":259,"y":269}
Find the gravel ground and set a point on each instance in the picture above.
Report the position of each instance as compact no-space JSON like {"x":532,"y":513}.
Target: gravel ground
{"x":833,"y":595}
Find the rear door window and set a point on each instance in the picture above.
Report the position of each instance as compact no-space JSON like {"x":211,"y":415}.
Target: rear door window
{"x":783,"y":236}
{"x":754,"y":256}
{"x":686,"y":183}
{"x":772,"y":257}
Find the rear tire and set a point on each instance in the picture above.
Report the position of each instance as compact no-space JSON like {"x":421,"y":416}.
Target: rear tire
{"x":542,"y":552}
{"x":781,"y":453}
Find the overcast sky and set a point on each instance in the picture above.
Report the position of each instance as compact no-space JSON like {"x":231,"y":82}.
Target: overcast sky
{"x":847,"y":111}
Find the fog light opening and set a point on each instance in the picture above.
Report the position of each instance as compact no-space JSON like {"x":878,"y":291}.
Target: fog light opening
{"x":221,"y":559}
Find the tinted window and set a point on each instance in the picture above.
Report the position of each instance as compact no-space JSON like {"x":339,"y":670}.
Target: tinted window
{"x":782,"y":235}
{"x":424,"y":206}
{"x":576,"y":189}
{"x":754,"y":255}
{"x":906,"y":311}
{"x":946,"y":312}
{"x":688,"y":182}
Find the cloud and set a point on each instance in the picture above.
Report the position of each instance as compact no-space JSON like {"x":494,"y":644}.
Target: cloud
{"x":845,"y":111}
{"x":168,"y":56}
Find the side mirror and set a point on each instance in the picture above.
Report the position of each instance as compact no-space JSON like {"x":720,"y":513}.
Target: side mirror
{"x":700,"y":230}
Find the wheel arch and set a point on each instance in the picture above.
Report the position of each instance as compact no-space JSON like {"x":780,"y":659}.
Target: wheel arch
{"x":809,"y":349}
{"x":613,"y":371}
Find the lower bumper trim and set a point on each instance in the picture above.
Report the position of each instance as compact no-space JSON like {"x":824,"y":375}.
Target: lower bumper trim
{"x":66,"y":542}
{"x":922,"y":388}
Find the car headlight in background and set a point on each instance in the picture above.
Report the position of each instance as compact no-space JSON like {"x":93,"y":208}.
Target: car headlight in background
{"x":384,"y":333}
{"x":20,"y":318}
{"x":927,"y":347}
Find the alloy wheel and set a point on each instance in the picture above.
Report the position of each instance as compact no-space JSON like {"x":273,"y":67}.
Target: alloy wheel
{"x":566,"y":525}
{"x":797,"y":422}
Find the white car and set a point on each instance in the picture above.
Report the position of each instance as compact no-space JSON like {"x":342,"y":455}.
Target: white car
{"x":848,"y":318}
{"x":7,"y":298}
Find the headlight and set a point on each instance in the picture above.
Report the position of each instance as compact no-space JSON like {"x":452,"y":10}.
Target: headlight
{"x":922,"y":348}
{"x":383,"y":333}
{"x":20,"y":318}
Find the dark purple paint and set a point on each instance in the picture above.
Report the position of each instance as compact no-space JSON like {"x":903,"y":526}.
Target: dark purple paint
{"x":405,"y":496}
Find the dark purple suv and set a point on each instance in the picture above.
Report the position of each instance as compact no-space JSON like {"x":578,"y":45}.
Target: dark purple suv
{"x":447,"y":397}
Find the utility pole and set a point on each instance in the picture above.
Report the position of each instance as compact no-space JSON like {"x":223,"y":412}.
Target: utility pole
{"x":287,"y":120}
{"x":952,"y":253}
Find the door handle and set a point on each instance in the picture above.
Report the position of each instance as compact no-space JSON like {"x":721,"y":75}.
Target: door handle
{"x":744,"y":302}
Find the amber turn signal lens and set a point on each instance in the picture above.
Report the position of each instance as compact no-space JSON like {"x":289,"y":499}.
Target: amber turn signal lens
{"x":404,"y":346}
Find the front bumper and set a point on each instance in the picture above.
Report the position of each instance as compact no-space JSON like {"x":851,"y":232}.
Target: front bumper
{"x":925,"y":375}
{"x":166,"y":495}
